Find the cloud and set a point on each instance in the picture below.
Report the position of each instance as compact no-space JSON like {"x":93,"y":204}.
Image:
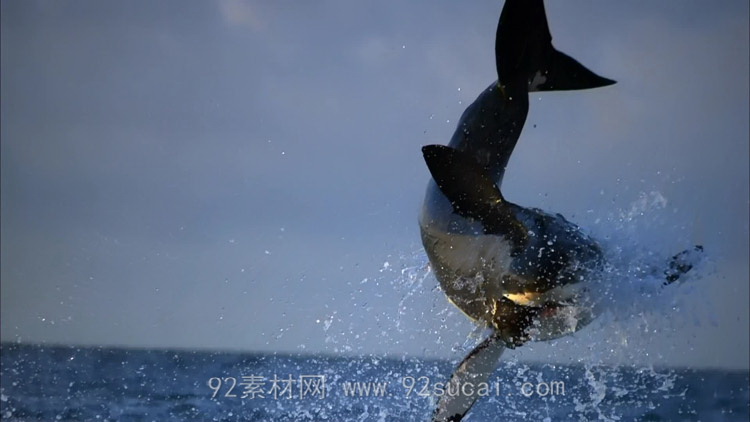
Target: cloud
{"x":241,"y":13}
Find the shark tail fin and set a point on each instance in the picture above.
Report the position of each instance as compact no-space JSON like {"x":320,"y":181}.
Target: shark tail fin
{"x":562,"y":72}
{"x":463,"y":388}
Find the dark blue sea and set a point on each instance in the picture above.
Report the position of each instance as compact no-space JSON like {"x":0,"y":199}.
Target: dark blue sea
{"x":43,"y":383}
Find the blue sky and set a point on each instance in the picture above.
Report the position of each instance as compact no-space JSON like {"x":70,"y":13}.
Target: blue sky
{"x":247,"y":175}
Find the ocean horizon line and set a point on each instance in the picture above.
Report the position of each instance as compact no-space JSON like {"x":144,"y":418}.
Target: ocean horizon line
{"x":335,"y":356}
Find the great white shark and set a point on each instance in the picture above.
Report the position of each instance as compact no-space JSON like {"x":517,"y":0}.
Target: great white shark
{"x":520,"y":271}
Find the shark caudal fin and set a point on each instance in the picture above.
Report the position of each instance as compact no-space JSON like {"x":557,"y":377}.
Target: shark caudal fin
{"x":562,"y":72}
{"x":472,"y":192}
{"x":469,"y":380}
{"x":524,"y":54}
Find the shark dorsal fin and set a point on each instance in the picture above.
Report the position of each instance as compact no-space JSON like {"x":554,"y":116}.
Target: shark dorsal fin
{"x":472,"y":193}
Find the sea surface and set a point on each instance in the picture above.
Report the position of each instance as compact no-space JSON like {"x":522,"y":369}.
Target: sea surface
{"x":62,"y":383}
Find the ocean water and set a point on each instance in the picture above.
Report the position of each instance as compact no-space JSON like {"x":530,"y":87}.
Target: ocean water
{"x":43,"y":383}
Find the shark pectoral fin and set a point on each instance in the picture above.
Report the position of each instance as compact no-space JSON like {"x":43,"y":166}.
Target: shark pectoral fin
{"x":513,"y":320}
{"x":473,"y":193}
{"x":563,"y":72}
{"x":682,"y":263}
{"x":467,"y":380}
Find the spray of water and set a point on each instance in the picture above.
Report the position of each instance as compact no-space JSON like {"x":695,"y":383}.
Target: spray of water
{"x":629,"y":294}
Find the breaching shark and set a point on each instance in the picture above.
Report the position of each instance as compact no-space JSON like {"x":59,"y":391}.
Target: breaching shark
{"x":520,"y":271}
